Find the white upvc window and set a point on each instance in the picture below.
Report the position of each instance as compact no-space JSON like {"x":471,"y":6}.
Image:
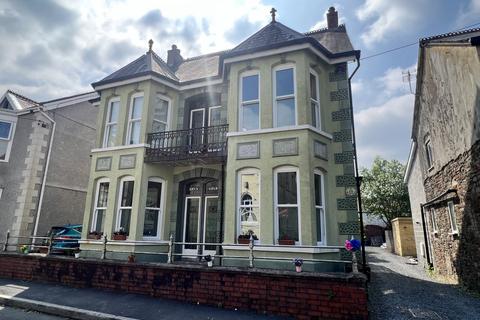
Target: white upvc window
{"x":6,"y":138}
{"x":319,"y":187}
{"x":248,"y":201}
{"x":111,"y":123}
{"x":161,"y":114}
{"x":152,"y":225}
{"x":453,"y":217}
{"x":433,"y":221}
{"x":125,"y":200}
{"x":249,"y":113}
{"x":287,"y":204}
{"x":135,"y":119}
{"x":284,"y":105}
{"x":315,"y":99}
{"x":429,"y":154}
{"x":100,"y":205}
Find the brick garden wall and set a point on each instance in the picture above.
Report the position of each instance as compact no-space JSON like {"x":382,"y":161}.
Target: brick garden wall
{"x":303,"y":295}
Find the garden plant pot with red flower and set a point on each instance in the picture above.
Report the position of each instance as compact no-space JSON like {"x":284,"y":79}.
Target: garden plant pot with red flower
{"x":120,"y":235}
{"x":285,"y":240}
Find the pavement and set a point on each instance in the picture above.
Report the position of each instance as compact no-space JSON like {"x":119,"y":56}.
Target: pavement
{"x":7,"y":313}
{"x":402,"y":291}
{"x":85,"y":304}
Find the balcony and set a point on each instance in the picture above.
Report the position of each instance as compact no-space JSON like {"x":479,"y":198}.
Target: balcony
{"x":183,"y":147}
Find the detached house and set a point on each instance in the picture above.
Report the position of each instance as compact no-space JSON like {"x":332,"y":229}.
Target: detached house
{"x":256,"y":139}
{"x":44,"y":162}
{"x":443,"y":170}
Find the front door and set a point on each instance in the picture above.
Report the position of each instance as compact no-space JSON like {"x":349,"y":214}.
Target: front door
{"x":201,"y":217}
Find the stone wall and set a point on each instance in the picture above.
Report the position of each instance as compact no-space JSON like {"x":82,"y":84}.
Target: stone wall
{"x":301,"y":295}
{"x":457,"y":255}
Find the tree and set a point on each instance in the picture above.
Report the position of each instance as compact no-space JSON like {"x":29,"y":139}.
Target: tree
{"x":384,"y":194}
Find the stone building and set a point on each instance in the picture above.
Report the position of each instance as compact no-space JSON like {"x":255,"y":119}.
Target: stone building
{"x":443,"y":172}
{"x":162,"y":164}
{"x":44,"y":162}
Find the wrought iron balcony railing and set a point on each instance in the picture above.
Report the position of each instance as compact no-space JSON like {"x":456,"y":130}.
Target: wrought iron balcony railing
{"x":204,"y":145}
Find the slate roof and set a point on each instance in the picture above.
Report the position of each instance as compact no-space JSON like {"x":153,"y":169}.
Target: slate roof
{"x":19,"y":102}
{"x":333,"y":43}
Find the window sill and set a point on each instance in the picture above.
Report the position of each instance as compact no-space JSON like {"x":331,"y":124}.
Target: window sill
{"x":130,"y":146}
{"x":455,"y":233}
{"x":280,"y":248}
{"x":430,"y":169}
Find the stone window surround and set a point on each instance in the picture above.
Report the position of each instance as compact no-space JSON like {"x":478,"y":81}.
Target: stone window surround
{"x":95,"y":203}
{"x":239,"y":173}
{"x":322,"y":217}
{"x":132,"y":120}
{"x":119,"y":205}
{"x":242,"y":103}
{"x":108,"y":124}
{"x":318,"y":120}
{"x":294,"y":95}
{"x":160,"y":209}
{"x":452,"y":217}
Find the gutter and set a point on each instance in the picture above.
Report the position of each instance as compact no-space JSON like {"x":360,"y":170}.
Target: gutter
{"x":413,"y":149}
{"x":42,"y":187}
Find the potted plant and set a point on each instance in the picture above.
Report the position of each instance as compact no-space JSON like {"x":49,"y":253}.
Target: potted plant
{"x":286,"y":241}
{"x":298,"y":262}
{"x":76,"y":253}
{"x":353,"y":245}
{"x":245,"y":238}
{"x":94,"y":235}
{"x":209,"y":260}
{"x":131,"y":258}
{"x":120,"y":234}
{"x":24,"y":249}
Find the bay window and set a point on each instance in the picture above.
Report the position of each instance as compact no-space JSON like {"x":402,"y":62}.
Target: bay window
{"x":287,"y":209}
{"x":315,"y":100}
{"x":153,"y":209}
{"x":125,"y":200}
{"x":135,"y":119}
{"x":320,"y":206}
{"x":100,"y":206}
{"x":285,"y":113}
{"x":248,"y":192}
{"x":6,"y":129}
{"x":111,"y":123}
{"x":249,"y":115}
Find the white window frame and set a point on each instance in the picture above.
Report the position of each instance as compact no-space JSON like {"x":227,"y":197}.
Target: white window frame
{"x":169,"y":113}
{"x":210,"y":114}
{"x":434,"y":221}
{"x":242,"y":103}
{"x":110,"y":124}
{"x":9,"y":139}
{"x":275,"y":196}
{"x":318,"y":119}
{"x":452,"y":216}
{"x":132,"y":120}
{"x":119,"y":206}
{"x":95,"y":203}
{"x":1,"y":192}
{"x":160,"y":210}
{"x":429,"y":153}
{"x":294,"y":95}
{"x":323,"y":219}
{"x":239,"y":199}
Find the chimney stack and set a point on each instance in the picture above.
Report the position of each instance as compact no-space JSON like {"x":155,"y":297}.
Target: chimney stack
{"x":174,"y":59}
{"x":332,"y":18}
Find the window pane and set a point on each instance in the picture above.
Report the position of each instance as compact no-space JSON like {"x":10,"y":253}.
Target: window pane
{"x":288,"y":223}
{"x":287,"y":187}
{"x":125,"y":219}
{"x":249,"y":202}
{"x":453,"y":218}
{"x":313,"y":87}
{"x":191,"y":214}
{"x":250,"y":88}
{"x":150,"y":225}
{"x":319,"y":214}
{"x":102,"y":195}
{"x":3,"y":149}
{"x":212,"y":218}
{"x":314,"y":114}
{"x":137,"y":108}
{"x":318,"y":190}
{"x":154,"y":194}
{"x":112,"y":134}
{"x":135,"y":132}
{"x":250,"y":117}
{"x":100,"y":220}
{"x":249,"y":185}
{"x":5,"y":129}
{"x":127,"y":194}
{"x":285,"y":112}
{"x":160,"y":111}
{"x":158,"y":126}
{"x":114,"y":108}
{"x":284,"y":81}
{"x":215,"y":116}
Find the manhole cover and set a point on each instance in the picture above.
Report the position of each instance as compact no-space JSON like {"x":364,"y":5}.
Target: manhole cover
{"x":424,"y":314}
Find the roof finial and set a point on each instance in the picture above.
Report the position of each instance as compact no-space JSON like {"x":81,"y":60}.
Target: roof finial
{"x":150,"y":44}
{"x":272,"y":12}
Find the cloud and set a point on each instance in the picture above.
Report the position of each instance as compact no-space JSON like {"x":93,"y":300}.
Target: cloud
{"x":323,"y":23}
{"x":242,"y":29}
{"x":468,"y":13}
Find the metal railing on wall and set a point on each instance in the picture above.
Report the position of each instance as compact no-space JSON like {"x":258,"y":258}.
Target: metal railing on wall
{"x":34,"y":244}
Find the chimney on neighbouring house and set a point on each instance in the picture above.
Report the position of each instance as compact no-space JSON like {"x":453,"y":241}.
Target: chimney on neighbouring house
{"x":332,"y":18}
{"x":174,"y":58}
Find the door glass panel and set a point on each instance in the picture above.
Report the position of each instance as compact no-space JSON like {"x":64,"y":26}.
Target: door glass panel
{"x":196,"y":123}
{"x":211,"y":219}
{"x":191,"y":226}
{"x":215,"y":117}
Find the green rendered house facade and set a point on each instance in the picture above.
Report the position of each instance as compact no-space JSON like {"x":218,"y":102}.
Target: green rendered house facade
{"x":256,"y":139}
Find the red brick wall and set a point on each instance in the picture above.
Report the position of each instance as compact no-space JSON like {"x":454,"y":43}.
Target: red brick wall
{"x":302,"y":295}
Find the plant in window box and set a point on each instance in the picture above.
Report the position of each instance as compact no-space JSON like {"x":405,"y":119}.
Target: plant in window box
{"x":285,"y":240}
{"x":298,"y":262}
{"x":120,"y":234}
{"x":209,"y":260}
{"x":95,"y":235}
{"x":245,"y":238}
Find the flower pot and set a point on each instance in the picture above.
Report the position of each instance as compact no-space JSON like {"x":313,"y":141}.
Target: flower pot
{"x":210,"y":263}
{"x":119,"y":237}
{"x":94,"y":236}
{"x":286,"y":242}
{"x":77,"y":255}
{"x":243,"y":241}
{"x":298,"y":268}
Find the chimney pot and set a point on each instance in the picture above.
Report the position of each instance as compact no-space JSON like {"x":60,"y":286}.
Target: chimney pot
{"x":332,"y":18}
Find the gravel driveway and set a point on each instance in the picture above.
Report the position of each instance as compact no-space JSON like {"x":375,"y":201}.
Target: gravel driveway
{"x":401,"y":291}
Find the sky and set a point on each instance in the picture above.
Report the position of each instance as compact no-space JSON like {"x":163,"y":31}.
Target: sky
{"x":58,"y":48}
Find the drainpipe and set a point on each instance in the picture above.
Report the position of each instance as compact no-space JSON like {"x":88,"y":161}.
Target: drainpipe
{"x":355,"y":159}
{"x":42,"y":187}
